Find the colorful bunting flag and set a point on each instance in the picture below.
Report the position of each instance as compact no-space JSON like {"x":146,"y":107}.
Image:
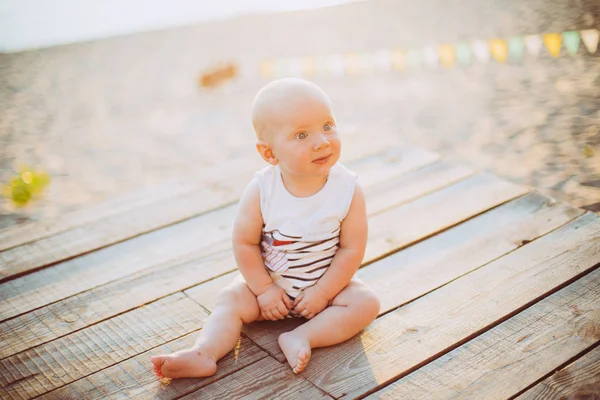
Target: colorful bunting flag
{"x":533,"y":44}
{"x":481,"y":49}
{"x":351,"y":63}
{"x":463,"y":53}
{"x":590,"y":39}
{"x":398,"y":60}
{"x":516,"y":45}
{"x":431,"y":56}
{"x":413,"y":58}
{"x":295,"y":66}
{"x":335,"y":63}
{"x":309,"y":66}
{"x":383,"y":60}
{"x":571,"y":40}
{"x":552,"y":42}
{"x":278,"y":68}
{"x":447,"y":55}
{"x":366,"y":62}
{"x":499,"y":49}
{"x":267,"y":68}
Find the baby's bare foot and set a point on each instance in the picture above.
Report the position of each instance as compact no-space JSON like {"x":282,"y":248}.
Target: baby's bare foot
{"x":188,"y":363}
{"x":296,"y":349}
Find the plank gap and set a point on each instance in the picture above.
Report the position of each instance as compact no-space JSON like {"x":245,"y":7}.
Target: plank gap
{"x":477,"y":333}
{"x":521,"y":244}
{"x":442,"y":230}
{"x":559,"y":368}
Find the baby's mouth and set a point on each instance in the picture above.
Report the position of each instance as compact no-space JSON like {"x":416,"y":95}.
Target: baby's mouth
{"x":322,"y":160}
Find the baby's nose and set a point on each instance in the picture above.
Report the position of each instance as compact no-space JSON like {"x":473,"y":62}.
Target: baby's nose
{"x":320,"y":141}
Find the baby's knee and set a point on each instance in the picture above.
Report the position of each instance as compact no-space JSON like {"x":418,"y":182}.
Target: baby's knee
{"x":238,"y":300}
{"x":369,"y":303}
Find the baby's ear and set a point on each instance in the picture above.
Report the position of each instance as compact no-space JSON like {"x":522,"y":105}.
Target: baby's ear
{"x":266,"y":153}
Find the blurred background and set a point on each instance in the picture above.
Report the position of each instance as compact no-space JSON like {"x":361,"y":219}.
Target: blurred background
{"x":114,"y":97}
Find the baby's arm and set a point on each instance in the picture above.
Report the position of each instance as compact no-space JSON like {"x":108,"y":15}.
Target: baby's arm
{"x":345,"y":263}
{"x":247,"y":231}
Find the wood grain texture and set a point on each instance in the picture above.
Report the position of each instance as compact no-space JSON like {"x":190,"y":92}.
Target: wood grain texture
{"x":220,"y":186}
{"x":411,"y":186}
{"x":265,"y":379}
{"x":578,"y":381}
{"x":175,"y":274}
{"x":430,"y":264}
{"x":213,"y":173}
{"x":92,"y":306}
{"x":55,"y":364}
{"x":435,"y":212}
{"x":515,"y":354}
{"x":125,"y":258}
{"x":94,"y":269}
{"x":119,"y":227}
{"x":425,"y":266}
{"x":133,"y":378}
{"x":31,"y":231}
{"x":427,"y":328}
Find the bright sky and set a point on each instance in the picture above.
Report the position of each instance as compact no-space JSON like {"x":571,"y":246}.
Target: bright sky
{"x":26,"y":24}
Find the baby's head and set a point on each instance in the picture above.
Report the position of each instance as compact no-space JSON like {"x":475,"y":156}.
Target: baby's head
{"x":295,"y":127}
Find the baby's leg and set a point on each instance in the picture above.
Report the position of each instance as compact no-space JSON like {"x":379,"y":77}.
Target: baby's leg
{"x":355,"y":307}
{"x":235,"y":306}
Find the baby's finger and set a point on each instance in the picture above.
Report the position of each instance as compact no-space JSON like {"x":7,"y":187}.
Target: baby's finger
{"x":287,"y":301}
{"x":276,"y":313}
{"x":298,"y":299}
{"x":305,"y":313}
{"x":269,"y":316}
{"x":282,"y":309}
{"x":311,"y":316}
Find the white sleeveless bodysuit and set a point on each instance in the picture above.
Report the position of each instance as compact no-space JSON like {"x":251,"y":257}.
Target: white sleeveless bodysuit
{"x":302,"y":234}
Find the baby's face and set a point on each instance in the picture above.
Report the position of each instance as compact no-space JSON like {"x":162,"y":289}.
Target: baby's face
{"x":304,"y":137}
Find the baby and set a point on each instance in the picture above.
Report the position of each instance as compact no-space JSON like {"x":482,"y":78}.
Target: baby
{"x":298,"y":239}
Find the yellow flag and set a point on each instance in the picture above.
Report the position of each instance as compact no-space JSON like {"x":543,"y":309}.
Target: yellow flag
{"x":267,"y":68}
{"x":552,"y":42}
{"x":499,"y":49}
{"x":447,"y":55}
{"x":398,"y":60}
{"x":309,"y":66}
{"x":351,"y":63}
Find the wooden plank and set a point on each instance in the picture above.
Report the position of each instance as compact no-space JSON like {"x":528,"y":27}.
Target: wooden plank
{"x":55,"y":364}
{"x":120,"y":260}
{"x":210,"y":231}
{"x":411,"y":186}
{"x":436,"y":212}
{"x":433,"y":263}
{"x":579,"y":380}
{"x":32,"y":231}
{"x":35,"y":230}
{"x":73,"y":313}
{"x":409,"y":337}
{"x":224,"y":186}
{"x":58,"y":319}
{"x":515,"y":354}
{"x":116,"y":228}
{"x":265,"y":379}
{"x":94,"y":269}
{"x":132,"y":379}
{"x":411,"y":273}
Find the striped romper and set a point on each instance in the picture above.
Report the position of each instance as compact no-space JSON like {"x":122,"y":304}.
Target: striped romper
{"x":302,"y":234}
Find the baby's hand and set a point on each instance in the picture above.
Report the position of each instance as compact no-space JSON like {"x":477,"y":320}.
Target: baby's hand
{"x":310,"y":302}
{"x":274,"y":303}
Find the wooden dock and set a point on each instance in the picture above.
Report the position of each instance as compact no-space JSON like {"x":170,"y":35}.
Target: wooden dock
{"x":489,"y":291}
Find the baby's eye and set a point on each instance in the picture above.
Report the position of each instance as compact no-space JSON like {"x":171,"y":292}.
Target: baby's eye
{"x":327,"y":127}
{"x":301,"y":135}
